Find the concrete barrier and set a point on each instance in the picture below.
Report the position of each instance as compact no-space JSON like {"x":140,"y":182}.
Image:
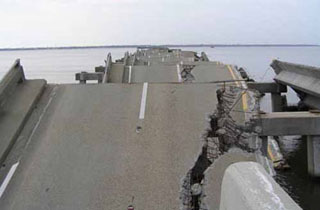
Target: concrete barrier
{"x":7,"y":85}
{"x":214,"y":175}
{"x":204,"y":56}
{"x":84,"y":76}
{"x":126,"y":57}
{"x":247,"y":186}
{"x":305,"y":80}
{"x":18,"y":98}
{"x":107,"y":69}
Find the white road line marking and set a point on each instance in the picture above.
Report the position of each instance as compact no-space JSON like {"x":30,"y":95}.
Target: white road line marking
{"x":143,"y":100}
{"x":178,"y":72}
{"x":8,"y":178}
{"x":130,"y":67}
{"x":53,"y":93}
{"x":14,"y":166}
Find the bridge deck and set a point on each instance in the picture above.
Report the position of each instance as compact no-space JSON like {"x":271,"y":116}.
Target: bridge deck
{"x":96,"y":146}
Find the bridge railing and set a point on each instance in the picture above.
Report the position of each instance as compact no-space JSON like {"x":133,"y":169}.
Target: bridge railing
{"x":9,"y":82}
{"x":247,"y":186}
{"x":305,"y":80}
{"x":101,"y":74}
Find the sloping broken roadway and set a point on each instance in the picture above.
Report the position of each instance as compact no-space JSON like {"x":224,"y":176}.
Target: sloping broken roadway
{"x":96,"y":146}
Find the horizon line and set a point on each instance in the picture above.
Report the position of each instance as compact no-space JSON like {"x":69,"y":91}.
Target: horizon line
{"x":157,"y":45}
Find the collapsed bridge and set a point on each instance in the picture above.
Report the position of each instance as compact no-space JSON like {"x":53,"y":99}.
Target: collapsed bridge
{"x":135,"y":134}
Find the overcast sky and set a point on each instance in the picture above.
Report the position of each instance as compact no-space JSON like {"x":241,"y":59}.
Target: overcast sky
{"x":42,"y":23}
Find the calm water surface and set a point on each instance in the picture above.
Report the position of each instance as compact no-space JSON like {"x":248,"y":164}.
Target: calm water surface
{"x":59,"y":66}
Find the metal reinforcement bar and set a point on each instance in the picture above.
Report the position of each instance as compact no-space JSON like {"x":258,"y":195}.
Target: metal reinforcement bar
{"x":305,"y":80}
{"x":14,"y":76}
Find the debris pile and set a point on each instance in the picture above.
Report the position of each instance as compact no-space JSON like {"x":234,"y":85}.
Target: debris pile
{"x":223,"y":134}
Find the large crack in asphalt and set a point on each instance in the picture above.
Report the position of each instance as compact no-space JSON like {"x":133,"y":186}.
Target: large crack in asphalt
{"x":223,"y":134}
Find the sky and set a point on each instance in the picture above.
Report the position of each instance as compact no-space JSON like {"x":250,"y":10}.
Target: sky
{"x":53,"y":23}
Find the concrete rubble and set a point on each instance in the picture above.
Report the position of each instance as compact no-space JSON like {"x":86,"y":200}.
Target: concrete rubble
{"x":224,"y":134}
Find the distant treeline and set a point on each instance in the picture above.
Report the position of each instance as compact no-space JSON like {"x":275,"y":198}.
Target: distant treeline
{"x":170,"y":46}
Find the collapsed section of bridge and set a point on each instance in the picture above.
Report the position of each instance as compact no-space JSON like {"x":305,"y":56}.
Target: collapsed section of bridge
{"x":148,"y":133}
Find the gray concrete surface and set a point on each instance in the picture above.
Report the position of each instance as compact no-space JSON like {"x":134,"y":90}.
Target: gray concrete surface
{"x":116,"y":73}
{"x":84,"y":76}
{"x":301,"y":78}
{"x":215,"y":173}
{"x":247,"y":186}
{"x":14,"y":113}
{"x":157,"y":73}
{"x":9,"y":82}
{"x":267,"y":87}
{"x":86,"y":154}
{"x":90,"y":149}
{"x":313,"y":144}
{"x":292,"y":123}
{"x":210,"y":72}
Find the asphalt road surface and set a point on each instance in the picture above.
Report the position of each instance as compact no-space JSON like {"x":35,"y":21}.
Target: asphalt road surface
{"x":98,"y":146}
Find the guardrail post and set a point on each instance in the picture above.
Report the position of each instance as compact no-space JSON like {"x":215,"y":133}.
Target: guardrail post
{"x":313,"y":145}
{"x":10,"y":80}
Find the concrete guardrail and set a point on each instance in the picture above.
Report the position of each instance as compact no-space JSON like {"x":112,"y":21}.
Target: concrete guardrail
{"x":247,"y":186}
{"x":107,"y":68}
{"x":204,"y":56}
{"x":305,"y":80}
{"x":11,"y":79}
{"x":18,"y":97}
{"x":126,"y":57}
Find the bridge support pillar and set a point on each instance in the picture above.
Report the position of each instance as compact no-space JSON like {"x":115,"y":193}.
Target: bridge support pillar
{"x":276,"y":101}
{"x":313,"y":145}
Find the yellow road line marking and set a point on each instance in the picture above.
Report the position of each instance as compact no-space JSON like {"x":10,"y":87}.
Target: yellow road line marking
{"x":244,"y":93}
{"x":270,"y":154}
{"x":233,"y":76}
{"x":244,"y":101}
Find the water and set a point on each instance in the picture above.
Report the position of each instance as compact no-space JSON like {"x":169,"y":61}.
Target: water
{"x":59,"y":66}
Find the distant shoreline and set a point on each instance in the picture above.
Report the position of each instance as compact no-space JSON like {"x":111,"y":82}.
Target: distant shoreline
{"x":170,"y":46}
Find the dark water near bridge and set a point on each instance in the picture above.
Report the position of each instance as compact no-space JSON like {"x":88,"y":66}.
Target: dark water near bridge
{"x":59,"y":66}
